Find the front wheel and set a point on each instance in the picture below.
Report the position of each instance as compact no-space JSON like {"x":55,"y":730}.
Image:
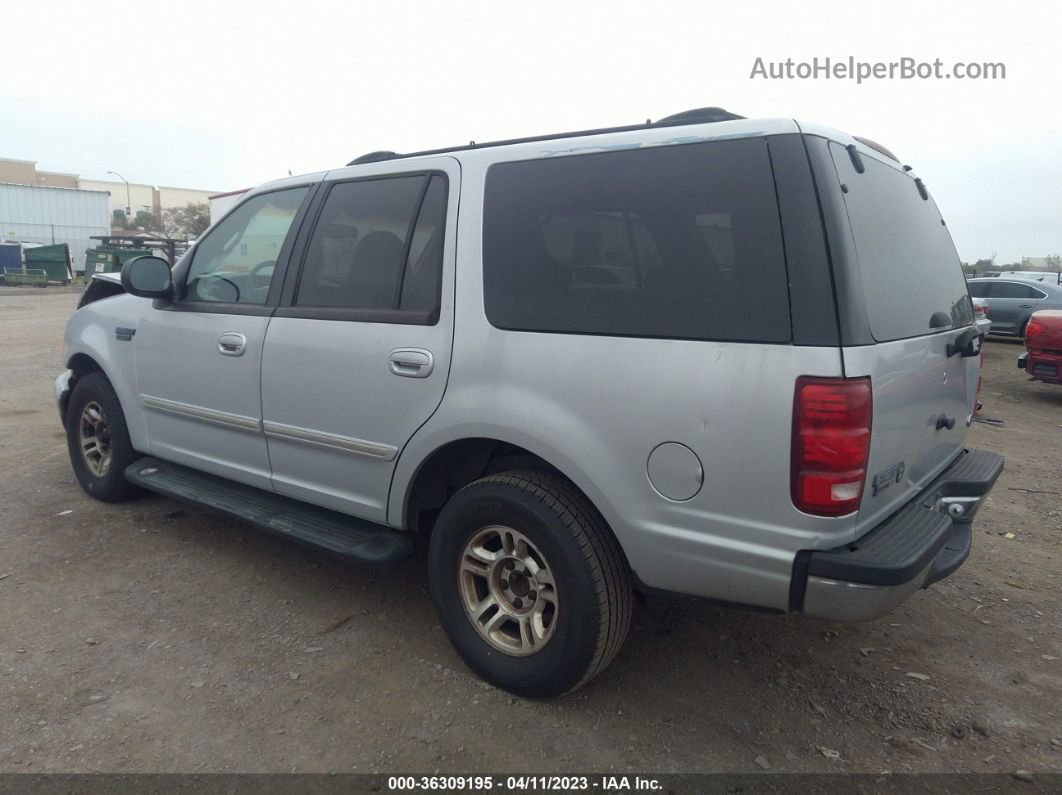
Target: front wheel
{"x":530,"y":585}
{"x":98,"y":440}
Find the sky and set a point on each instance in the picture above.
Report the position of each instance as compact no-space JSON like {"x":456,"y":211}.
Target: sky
{"x":224,"y":95}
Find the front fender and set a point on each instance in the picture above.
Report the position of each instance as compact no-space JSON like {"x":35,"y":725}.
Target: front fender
{"x":91,"y":332}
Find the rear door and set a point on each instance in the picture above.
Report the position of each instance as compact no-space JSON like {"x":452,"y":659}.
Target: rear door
{"x":1010,"y":304}
{"x":917,"y":304}
{"x":1003,"y":299}
{"x":357,"y":358}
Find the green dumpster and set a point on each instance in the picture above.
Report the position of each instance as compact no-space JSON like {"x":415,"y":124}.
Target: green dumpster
{"x":36,"y":277}
{"x":110,"y":259}
{"x":53,"y":260}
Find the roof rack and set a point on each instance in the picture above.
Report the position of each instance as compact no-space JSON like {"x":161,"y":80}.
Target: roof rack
{"x":696,"y":116}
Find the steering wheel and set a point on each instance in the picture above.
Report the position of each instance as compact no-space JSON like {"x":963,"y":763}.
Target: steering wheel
{"x":256,"y":280}
{"x":208,"y":289}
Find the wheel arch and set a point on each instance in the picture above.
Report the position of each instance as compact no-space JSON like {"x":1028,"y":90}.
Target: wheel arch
{"x":456,"y":463}
{"x":452,"y":464}
{"x":79,"y":365}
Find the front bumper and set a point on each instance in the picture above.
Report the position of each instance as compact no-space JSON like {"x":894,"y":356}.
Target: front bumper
{"x":62,"y":394}
{"x":922,"y":543}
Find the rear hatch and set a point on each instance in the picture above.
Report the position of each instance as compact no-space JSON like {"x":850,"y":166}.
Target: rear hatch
{"x":919,"y":311}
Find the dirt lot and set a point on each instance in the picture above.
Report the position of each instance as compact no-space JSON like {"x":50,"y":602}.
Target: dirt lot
{"x":155,"y":637}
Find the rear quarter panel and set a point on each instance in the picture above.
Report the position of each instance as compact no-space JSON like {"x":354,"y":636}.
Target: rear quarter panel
{"x":596,"y":407}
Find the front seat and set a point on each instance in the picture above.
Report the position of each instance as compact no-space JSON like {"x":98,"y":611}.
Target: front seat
{"x":374,"y":272}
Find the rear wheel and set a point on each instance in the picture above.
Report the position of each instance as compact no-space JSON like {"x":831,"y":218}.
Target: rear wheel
{"x":530,"y":585}
{"x":98,"y":440}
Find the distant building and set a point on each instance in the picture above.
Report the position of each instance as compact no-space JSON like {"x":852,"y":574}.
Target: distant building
{"x":44,"y":214}
{"x":140,"y":196}
{"x":221,"y":203}
{"x":1040,"y":263}
{"x":24,"y":172}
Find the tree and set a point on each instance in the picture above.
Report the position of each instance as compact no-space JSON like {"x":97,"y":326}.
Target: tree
{"x":147,"y":220}
{"x":119,"y":220}
{"x":981,"y":266}
{"x":188,"y":222}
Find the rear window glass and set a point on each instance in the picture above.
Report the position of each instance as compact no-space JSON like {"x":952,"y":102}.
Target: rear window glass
{"x":677,"y":241}
{"x":910,"y":270}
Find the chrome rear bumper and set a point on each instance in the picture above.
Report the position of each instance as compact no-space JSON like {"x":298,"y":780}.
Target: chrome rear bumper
{"x":922,"y":543}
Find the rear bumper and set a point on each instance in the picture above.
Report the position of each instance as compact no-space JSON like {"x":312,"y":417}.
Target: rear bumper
{"x":1042,"y":365}
{"x":922,"y":543}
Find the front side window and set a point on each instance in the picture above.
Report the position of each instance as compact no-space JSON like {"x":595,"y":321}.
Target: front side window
{"x":235,"y":262}
{"x":378,"y":244}
{"x":676,"y":241}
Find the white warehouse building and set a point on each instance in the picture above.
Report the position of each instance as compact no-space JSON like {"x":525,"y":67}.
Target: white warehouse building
{"x":47,"y":215}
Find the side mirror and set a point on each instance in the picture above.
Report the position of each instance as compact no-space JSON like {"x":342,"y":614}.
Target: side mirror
{"x":148,"y":277}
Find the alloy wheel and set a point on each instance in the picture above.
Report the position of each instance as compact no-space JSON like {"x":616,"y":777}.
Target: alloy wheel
{"x":508,"y":591}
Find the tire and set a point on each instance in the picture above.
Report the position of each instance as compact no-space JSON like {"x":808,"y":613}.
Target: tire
{"x":568,"y":597}
{"x":93,"y":394}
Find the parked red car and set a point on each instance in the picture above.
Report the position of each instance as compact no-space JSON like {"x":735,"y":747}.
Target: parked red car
{"x":1043,"y":342}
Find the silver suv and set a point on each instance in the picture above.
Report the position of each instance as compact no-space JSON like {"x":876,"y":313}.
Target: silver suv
{"x":721,"y":357}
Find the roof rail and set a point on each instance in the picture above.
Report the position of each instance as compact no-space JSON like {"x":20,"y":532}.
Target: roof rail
{"x":373,"y":157}
{"x":696,"y":116}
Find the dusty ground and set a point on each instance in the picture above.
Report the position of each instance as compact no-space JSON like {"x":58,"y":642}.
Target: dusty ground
{"x":155,"y":637}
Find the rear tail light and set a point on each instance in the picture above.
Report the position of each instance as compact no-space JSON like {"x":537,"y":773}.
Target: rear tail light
{"x":1033,"y":329}
{"x":831,"y":444}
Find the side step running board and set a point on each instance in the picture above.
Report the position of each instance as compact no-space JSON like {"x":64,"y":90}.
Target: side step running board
{"x":353,"y":539}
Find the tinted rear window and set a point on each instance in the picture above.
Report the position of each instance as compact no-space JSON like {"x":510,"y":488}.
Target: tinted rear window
{"x":1000,"y":288}
{"x":676,"y":241}
{"x":909,"y":266}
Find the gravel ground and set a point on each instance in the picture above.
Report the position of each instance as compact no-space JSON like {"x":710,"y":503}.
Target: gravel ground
{"x":153,"y":637}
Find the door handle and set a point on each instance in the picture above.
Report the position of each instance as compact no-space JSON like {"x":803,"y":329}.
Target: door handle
{"x":1024,"y":306}
{"x":411,"y":362}
{"x":231,"y":343}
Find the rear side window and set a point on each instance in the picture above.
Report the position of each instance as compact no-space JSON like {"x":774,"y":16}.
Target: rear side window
{"x":676,"y":241}
{"x":910,"y":270}
{"x":377,"y":244}
{"x":1015,"y":290}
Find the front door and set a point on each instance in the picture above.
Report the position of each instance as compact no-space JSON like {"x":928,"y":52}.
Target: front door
{"x":199,"y":358}
{"x":357,"y":356}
